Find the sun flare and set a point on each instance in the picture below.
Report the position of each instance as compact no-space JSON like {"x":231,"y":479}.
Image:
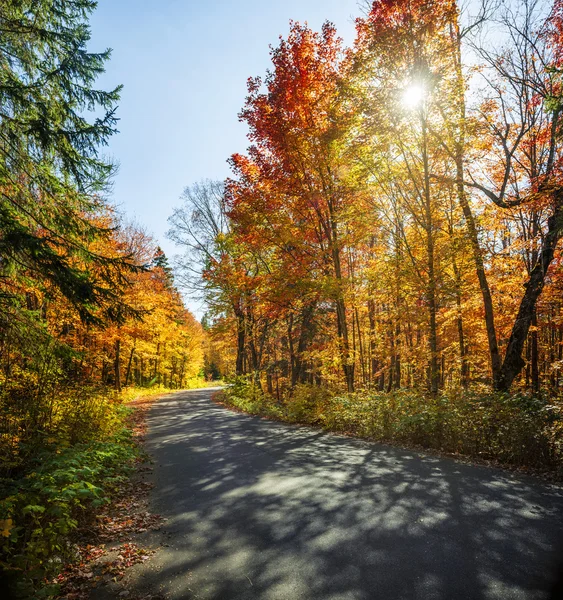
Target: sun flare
{"x":413,"y":96}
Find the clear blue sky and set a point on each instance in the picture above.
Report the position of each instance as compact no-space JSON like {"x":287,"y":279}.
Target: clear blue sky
{"x":184,"y":66}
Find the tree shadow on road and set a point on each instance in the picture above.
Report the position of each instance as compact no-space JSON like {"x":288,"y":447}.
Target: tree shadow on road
{"x":259,"y":509}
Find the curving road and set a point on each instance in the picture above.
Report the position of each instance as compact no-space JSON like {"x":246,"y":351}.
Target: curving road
{"x":262,"y":510}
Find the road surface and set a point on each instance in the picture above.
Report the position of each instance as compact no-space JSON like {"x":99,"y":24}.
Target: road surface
{"x":263,"y":510}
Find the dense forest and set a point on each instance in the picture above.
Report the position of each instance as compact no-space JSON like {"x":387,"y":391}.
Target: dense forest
{"x":87,"y":300}
{"x":88,"y":304}
{"x":395,"y":221}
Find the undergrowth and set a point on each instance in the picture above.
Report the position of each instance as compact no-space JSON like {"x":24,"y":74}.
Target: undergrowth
{"x":57,"y":481}
{"x":516,"y":430}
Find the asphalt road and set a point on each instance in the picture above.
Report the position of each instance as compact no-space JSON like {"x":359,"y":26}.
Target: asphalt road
{"x":263,"y":510}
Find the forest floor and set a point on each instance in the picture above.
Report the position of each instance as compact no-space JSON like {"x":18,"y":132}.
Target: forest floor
{"x":253,"y":508}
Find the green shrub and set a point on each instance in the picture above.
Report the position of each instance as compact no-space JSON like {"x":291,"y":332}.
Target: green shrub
{"x":59,"y":491}
{"x":304,"y":404}
{"x":514,"y":429}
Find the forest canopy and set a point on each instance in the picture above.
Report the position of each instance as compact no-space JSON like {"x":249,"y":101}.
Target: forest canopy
{"x":396,"y":219}
{"x":394,"y":226}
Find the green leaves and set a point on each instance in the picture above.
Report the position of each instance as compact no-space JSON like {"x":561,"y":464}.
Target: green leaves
{"x":39,"y":511}
{"x":31,"y":509}
{"x":51,"y":174}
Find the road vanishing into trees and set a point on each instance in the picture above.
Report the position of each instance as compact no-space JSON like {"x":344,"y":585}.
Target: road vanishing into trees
{"x":263,"y":510}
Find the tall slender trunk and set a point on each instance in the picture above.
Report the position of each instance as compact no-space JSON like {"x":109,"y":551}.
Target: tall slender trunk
{"x":346,"y":355}
{"x":361,"y":346}
{"x":398,"y":304}
{"x":373,"y":359}
{"x":347,"y":361}
{"x":128,"y":373}
{"x":459,"y":150}
{"x":431,"y":285}
{"x":256,"y":344}
{"x":534,"y":354}
{"x":552,"y":347}
{"x":155,"y":372}
{"x":117,"y":366}
{"x":391,"y":378}
{"x":397,"y":375}
{"x":241,"y":339}
{"x":559,"y":357}
{"x":342,"y":324}
{"x":298,"y":363}
{"x":172,"y":373}
{"x":182,"y":371}
{"x":534,"y":358}
{"x":464,"y":365}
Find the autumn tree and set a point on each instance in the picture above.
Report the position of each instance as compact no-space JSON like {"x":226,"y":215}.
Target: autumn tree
{"x":374,"y":233}
{"x":298,"y":126}
{"x":522,"y":114}
{"x":51,"y":173}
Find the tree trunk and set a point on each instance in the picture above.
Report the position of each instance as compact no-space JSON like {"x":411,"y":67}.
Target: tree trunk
{"x":129,"y":363}
{"x":397,"y":375}
{"x":392,"y":358}
{"x":431,"y":285}
{"x":298,"y":366}
{"x":342,"y":324}
{"x":513,"y":362}
{"x":347,"y":364}
{"x":373,"y":359}
{"x":470,"y":224}
{"x":155,"y":373}
{"x":535,"y":373}
{"x":257,"y":350}
{"x":464,"y":365}
{"x":241,"y":340}
{"x":116,"y":365}
{"x":172,"y":373}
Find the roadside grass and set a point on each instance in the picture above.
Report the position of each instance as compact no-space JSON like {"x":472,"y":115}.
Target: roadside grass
{"x":514,"y":430}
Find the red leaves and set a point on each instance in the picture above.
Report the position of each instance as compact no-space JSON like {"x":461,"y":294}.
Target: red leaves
{"x":112,"y":527}
{"x":77,"y":580}
{"x":282,"y":187}
{"x":555,"y":32}
{"x":129,"y":554}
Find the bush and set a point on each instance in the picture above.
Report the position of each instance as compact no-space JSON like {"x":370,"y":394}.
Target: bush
{"x":39,"y":511}
{"x":59,"y":474}
{"x":514,"y":429}
{"x":305,"y":403}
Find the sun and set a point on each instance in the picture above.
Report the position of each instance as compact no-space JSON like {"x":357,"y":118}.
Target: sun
{"x":413,"y":95}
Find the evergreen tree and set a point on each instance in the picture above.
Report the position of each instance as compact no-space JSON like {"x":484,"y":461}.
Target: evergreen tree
{"x":161,"y":262}
{"x":51,"y":173}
